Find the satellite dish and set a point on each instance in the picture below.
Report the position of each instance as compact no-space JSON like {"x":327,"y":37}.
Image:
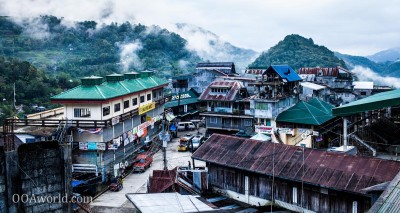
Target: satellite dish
{"x":304,"y":135}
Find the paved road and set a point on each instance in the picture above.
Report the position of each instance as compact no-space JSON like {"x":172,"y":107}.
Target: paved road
{"x":136,"y":182}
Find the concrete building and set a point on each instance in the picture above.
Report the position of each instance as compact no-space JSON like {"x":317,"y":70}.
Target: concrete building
{"x":225,"y":108}
{"x":204,"y":74}
{"x":338,"y":80}
{"x":111,"y":117}
{"x":276,"y":89}
{"x":308,"y":124}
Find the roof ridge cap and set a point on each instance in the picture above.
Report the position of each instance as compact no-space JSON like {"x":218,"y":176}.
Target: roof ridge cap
{"x":98,"y":89}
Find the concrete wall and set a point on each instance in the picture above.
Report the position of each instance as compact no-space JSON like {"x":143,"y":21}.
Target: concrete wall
{"x":43,"y":175}
{"x":3,"y":194}
{"x":35,"y":171}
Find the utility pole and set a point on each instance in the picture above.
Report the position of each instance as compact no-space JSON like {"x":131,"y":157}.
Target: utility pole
{"x":164,"y":143}
{"x":14,"y":97}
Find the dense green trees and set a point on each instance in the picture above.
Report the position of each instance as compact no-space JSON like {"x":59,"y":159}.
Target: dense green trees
{"x":88,"y":49}
{"x":297,"y":52}
{"x":33,"y":86}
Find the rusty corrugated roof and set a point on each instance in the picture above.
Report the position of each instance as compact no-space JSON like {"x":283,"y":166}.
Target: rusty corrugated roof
{"x":327,"y":169}
{"x":325,"y":71}
{"x":161,"y":180}
{"x":234,"y":86}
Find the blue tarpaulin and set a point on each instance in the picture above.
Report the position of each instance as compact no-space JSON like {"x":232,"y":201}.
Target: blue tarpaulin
{"x":76,"y":183}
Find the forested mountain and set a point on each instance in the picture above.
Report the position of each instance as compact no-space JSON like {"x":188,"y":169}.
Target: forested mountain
{"x":392,"y":54}
{"x":297,"y":52}
{"x":387,"y":68}
{"x":88,"y":49}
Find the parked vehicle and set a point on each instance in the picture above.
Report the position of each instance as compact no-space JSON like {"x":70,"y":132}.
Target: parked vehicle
{"x":116,"y":184}
{"x":182,"y":126}
{"x":198,"y":122}
{"x":197,"y":141}
{"x":142,"y":162}
{"x":184,"y":142}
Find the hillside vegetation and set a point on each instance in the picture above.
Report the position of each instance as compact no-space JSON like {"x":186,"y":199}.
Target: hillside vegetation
{"x":33,"y":86}
{"x":297,"y":52}
{"x":88,"y":49}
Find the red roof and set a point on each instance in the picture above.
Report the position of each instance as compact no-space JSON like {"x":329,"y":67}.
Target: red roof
{"x":162,"y":180}
{"x":255,"y":71}
{"x":326,"y":71}
{"x":322,"y":168}
{"x":234,"y":86}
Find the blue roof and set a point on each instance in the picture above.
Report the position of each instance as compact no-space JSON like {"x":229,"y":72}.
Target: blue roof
{"x":285,"y":72}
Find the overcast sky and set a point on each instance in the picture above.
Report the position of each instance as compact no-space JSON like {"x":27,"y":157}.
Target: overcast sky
{"x":358,"y":27}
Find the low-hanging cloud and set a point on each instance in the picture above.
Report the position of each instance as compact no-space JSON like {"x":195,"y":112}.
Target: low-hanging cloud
{"x":366,"y":74}
{"x":128,"y":55}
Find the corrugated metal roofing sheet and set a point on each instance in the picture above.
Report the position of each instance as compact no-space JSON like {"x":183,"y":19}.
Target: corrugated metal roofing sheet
{"x":108,"y":90}
{"x":363,"y":84}
{"x":324,"y":71}
{"x":313,"y":112}
{"x":234,"y":86}
{"x":285,"y":72}
{"x":327,"y":169}
{"x":374,"y":102}
{"x":161,"y":180}
{"x":312,"y":85}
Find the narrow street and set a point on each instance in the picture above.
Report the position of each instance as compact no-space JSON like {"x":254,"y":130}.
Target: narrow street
{"x":136,"y":182}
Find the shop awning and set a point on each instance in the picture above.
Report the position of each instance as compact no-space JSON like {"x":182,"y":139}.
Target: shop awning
{"x":170,"y":117}
{"x":374,"y":102}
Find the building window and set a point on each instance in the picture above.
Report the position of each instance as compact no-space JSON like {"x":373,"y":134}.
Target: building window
{"x":81,"y":112}
{"x":142,"y":99}
{"x":160,"y":93}
{"x":261,"y":106}
{"x":247,"y":122}
{"x":143,"y":118}
{"x":106,"y":110}
{"x":294,"y":195}
{"x":148,"y":97}
{"x":134,"y":101}
{"x":126,"y":104}
{"x":213,"y":120}
{"x":355,"y":207}
{"x":363,"y":93}
{"x":117,"y":107}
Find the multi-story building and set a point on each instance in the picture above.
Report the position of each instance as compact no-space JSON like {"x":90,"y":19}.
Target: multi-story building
{"x":123,"y":110}
{"x":276,"y":89}
{"x":204,"y":74}
{"x":338,"y":80}
{"x":225,"y":108}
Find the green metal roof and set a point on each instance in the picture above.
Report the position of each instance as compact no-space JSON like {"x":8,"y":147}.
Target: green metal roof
{"x":108,"y":90}
{"x":313,"y":112}
{"x":188,"y":97}
{"x":374,"y":102}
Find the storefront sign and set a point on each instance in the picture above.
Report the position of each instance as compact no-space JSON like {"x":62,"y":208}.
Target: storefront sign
{"x":147,"y":107}
{"x":315,"y":133}
{"x":286,"y":130}
{"x":307,"y":131}
{"x":183,"y":96}
{"x":92,"y":146}
{"x":101,"y":146}
{"x":263,"y":129}
{"x":83,"y":145}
